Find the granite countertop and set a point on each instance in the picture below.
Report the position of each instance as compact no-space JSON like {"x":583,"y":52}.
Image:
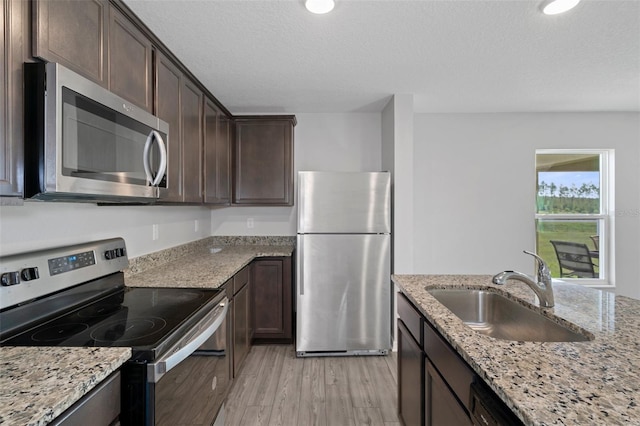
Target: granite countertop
{"x":204,"y":269}
{"x":37,"y":384}
{"x":549,"y":383}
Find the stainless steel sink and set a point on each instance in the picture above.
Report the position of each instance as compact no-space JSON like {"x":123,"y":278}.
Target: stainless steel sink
{"x":497,"y":316}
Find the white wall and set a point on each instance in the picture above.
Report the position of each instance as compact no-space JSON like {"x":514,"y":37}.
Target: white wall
{"x":397,"y":150}
{"x":44,"y":224}
{"x":328,"y":142}
{"x":474,"y":187}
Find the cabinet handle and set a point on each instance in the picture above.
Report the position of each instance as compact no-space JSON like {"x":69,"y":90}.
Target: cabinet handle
{"x":162,"y":168}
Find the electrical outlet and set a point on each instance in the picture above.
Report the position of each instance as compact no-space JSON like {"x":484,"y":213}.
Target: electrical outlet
{"x":155,"y":234}
{"x":250,"y":222}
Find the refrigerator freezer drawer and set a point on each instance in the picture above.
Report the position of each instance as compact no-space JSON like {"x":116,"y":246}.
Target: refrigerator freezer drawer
{"x":343,"y":293}
{"x":344,"y":203}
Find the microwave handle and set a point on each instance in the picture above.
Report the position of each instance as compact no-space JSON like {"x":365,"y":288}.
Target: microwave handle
{"x":163,"y":158}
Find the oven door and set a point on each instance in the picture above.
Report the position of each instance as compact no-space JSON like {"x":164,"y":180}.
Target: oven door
{"x":187,"y":385}
{"x":193,"y":392}
{"x":106,"y":146}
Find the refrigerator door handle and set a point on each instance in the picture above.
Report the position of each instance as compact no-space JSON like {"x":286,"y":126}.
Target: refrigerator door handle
{"x":301,"y":269}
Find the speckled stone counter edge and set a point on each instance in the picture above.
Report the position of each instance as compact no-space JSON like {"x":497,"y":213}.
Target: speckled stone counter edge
{"x":36,"y":391}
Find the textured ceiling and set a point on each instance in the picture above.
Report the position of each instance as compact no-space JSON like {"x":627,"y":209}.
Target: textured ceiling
{"x":452,"y":55}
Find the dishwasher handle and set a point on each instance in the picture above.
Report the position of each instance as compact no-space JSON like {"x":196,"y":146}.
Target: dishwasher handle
{"x":182,"y":350}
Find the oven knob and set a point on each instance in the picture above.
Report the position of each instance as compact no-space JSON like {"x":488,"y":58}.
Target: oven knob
{"x":10,"y":278}
{"x":29,"y":274}
{"x":120,"y":251}
{"x":109,"y":254}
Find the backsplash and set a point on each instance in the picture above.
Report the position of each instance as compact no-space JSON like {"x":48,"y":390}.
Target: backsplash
{"x":148,"y":261}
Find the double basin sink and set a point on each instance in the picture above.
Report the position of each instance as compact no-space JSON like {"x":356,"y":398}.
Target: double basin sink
{"x":495,"y":315}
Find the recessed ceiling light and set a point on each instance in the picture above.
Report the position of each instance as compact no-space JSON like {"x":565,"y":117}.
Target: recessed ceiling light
{"x":554,"y":7}
{"x":319,"y":6}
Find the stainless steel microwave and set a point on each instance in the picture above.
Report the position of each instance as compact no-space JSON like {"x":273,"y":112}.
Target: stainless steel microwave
{"x":85,"y":143}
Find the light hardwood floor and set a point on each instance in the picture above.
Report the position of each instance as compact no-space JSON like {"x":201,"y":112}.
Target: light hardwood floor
{"x":276,"y":388}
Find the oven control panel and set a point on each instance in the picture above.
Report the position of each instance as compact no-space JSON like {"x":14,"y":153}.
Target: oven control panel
{"x":59,"y":265}
{"x":32,"y":275}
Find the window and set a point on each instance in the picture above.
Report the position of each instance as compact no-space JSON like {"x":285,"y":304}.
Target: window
{"x":573,"y":202}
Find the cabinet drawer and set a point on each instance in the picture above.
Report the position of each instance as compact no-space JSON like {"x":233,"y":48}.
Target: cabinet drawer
{"x":240,"y":279}
{"x":410,"y":317}
{"x":458,"y":374}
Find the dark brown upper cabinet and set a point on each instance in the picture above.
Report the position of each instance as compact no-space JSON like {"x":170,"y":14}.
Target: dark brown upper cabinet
{"x":217,"y":155}
{"x":97,"y":41}
{"x":15,"y":49}
{"x":130,"y":65}
{"x":263,"y":160}
{"x":181,"y":103}
{"x":74,"y":34}
{"x":191,"y":106}
{"x":168,"y":83}
{"x":213,"y":157}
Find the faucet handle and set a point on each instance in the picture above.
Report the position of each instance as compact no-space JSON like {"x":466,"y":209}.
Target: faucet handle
{"x":543,"y":270}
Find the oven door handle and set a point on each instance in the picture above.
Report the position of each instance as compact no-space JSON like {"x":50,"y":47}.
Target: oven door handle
{"x":156,"y":370}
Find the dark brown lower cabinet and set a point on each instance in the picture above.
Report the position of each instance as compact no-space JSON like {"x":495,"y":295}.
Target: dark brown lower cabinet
{"x":410,"y":378}
{"x":239,"y":289}
{"x":434,"y":382}
{"x":241,"y":328}
{"x":441,"y":406}
{"x":272,"y":300}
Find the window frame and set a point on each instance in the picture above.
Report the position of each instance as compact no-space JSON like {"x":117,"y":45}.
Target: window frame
{"x":605,"y":217}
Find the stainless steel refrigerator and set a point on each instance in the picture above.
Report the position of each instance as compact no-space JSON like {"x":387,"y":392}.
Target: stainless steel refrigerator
{"x":343,"y":286}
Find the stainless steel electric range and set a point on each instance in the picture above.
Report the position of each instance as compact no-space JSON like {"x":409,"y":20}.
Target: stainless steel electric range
{"x":76,"y":296}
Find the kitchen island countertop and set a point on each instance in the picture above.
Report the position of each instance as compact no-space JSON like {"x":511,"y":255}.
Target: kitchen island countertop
{"x":549,"y":383}
{"x":37,"y":384}
{"x":204,"y":268}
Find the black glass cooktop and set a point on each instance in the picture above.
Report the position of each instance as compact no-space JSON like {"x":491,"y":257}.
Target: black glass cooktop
{"x":141,"y":318}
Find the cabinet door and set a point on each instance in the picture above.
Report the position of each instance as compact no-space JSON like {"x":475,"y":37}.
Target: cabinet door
{"x":129,"y":61}
{"x":168,"y":82}
{"x":240,"y":328}
{"x":263,"y":162}
{"x":410,"y":378}
{"x":441,"y":406}
{"x":272,"y":300}
{"x":191,"y":99}
{"x":14,"y":51}
{"x":217,"y":155}
{"x":74,"y":34}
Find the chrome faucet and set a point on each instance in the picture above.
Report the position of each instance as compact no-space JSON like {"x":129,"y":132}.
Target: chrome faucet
{"x":540,"y":284}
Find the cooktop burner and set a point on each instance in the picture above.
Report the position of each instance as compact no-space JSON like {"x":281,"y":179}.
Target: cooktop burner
{"x":100,"y":310}
{"x":56,"y":333}
{"x":132,"y":330}
{"x":141,"y":318}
